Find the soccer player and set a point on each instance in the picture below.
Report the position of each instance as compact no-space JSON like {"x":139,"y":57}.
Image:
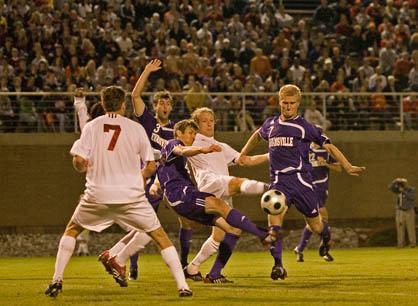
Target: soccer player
{"x":322,"y":162}
{"x":159,"y":129}
{"x":212,"y":176}
{"x":111,"y":149}
{"x":188,"y":201}
{"x":289,"y":137}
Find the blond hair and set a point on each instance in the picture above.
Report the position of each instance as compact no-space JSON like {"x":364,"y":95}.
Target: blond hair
{"x":289,"y":90}
{"x":196,"y":113}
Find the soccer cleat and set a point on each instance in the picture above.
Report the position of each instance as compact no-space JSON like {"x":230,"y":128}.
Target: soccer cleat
{"x":104,"y":259}
{"x":54,"y":288}
{"x":278,"y":272}
{"x":328,"y":257}
{"x":324,"y":248}
{"x":185,"y":292}
{"x":133,"y":274}
{"x":118,"y":272}
{"x":299,"y":255}
{"x":216,"y":280}
{"x":194,"y":277}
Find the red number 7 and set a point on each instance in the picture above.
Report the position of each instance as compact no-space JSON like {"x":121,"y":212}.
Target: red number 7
{"x":117,"y":129}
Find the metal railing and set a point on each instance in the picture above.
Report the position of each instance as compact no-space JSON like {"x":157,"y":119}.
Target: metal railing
{"x":29,"y":112}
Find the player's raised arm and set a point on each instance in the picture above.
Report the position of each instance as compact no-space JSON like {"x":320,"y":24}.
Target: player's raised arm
{"x":81,"y":108}
{"x":189,"y":151}
{"x":137,"y":101}
{"x":339,"y":156}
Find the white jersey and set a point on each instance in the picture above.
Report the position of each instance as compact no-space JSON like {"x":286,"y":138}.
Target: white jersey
{"x":211,"y":163}
{"x":114,"y":147}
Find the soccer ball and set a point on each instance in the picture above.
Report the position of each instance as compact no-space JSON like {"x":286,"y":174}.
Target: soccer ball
{"x":273,"y":202}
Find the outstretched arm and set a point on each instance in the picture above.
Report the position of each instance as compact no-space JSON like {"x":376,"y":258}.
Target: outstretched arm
{"x":332,"y":166}
{"x":190,"y":151}
{"x":251,"y":143}
{"x":137,"y":101}
{"x":249,"y":161}
{"x":339,"y":156}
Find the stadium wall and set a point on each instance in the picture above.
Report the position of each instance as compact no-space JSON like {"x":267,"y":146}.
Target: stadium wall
{"x":39,"y":187}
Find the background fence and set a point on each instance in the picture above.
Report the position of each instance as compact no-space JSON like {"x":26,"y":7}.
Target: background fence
{"x":29,"y":112}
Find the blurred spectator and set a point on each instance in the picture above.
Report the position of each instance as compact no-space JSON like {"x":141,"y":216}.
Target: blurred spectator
{"x":377,"y":78}
{"x":195,"y":97}
{"x":410,"y":108}
{"x":387,"y":58}
{"x":324,"y":15}
{"x":260,"y":64}
{"x":314,"y":116}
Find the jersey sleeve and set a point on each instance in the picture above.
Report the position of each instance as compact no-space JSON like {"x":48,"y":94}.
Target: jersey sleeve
{"x":316,"y":135}
{"x":264,"y":130}
{"x":148,"y":121}
{"x":230,"y":154}
{"x":146,"y":152}
{"x":82,"y":146}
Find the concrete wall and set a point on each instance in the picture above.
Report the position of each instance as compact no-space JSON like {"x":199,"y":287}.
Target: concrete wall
{"x":38,"y":186}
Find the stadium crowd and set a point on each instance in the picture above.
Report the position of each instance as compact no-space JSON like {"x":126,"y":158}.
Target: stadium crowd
{"x":211,"y":46}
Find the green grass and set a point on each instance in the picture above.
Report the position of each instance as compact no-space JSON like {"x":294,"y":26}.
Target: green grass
{"x":365,"y":276}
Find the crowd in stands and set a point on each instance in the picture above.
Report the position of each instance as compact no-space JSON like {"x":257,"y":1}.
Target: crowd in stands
{"x":211,"y":46}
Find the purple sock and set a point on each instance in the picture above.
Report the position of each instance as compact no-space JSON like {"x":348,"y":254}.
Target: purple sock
{"x":238,"y":220}
{"x":225,"y":251}
{"x":304,"y":239}
{"x":277,"y":247}
{"x":326,"y":233}
{"x":185,"y":236}
{"x":134,"y":261}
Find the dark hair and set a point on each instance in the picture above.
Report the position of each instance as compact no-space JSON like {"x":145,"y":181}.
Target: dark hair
{"x":162,"y":95}
{"x":184,"y":124}
{"x":96,"y":110}
{"x":112,"y":98}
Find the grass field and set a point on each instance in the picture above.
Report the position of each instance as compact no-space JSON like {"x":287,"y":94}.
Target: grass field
{"x":366,"y":276}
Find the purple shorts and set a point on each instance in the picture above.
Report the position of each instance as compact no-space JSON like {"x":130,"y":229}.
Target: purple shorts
{"x":297,"y":188}
{"x":321,"y":195}
{"x":190,"y":203}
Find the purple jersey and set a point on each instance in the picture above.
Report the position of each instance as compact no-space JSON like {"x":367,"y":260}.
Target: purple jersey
{"x":172,"y":172}
{"x":289,"y":143}
{"x":157,"y":134}
{"x":320,"y":174}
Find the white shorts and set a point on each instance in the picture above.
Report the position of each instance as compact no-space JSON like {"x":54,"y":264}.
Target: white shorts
{"x":216,"y":184}
{"x":96,"y":217}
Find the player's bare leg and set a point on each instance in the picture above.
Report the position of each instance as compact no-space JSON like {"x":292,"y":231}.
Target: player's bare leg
{"x":65,"y":251}
{"x":323,"y":212}
{"x":171,"y":258}
{"x":316,"y":225}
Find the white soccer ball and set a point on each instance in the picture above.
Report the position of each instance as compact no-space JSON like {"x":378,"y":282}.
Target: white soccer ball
{"x":273,"y":202}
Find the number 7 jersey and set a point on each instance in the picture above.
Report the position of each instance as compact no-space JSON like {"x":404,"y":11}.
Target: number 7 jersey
{"x":114,"y":147}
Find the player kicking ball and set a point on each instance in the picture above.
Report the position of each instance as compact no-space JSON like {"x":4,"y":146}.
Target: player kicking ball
{"x":289,"y":137}
{"x":110,"y":151}
{"x":189,"y":202}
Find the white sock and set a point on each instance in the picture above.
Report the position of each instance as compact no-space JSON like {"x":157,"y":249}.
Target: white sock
{"x":172,"y":260}
{"x":209,"y":247}
{"x":65,"y":250}
{"x":252,"y":187}
{"x":116,"y":248}
{"x":136,"y":244}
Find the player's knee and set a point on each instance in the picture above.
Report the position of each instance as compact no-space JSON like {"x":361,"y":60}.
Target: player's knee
{"x":235,"y":185}
{"x":161,"y":238}
{"x":73,"y":230}
{"x":316,"y":227}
